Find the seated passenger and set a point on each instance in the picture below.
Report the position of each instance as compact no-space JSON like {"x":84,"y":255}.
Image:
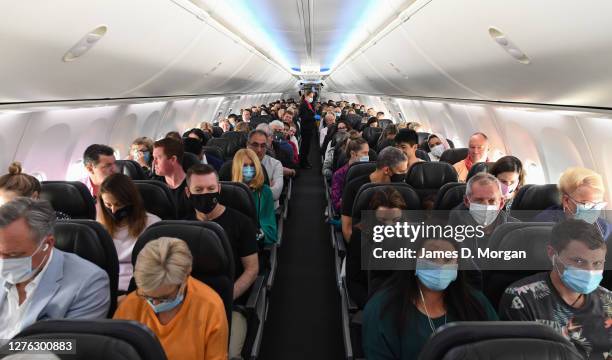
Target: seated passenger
{"x":391,"y":166}
{"x":437,"y":145}
{"x":258,"y":143}
{"x":187,"y":316}
{"x":289,"y":133}
{"x":246,"y":115}
{"x":247,"y":169}
{"x":242,"y":127}
{"x":380,"y":115}
{"x":387,"y":137}
{"x":167,"y":160}
{"x":372,"y":122}
{"x":99,"y":162}
{"x":141,"y":151}
{"x":330,"y":121}
{"x":38,"y":281}
{"x":478,"y":151}
{"x":124,"y":217}
{"x":408,"y":141}
{"x":194,"y":146}
{"x":225,"y":125}
{"x":415,"y":126}
{"x":582,"y":194}
{"x":16,"y":184}
{"x":511,"y":175}
{"x":206,"y":127}
{"x":413,"y":304}
{"x":203,"y":191}
{"x":341,"y":139}
{"x":568,"y":298}
{"x":357,"y":150}
{"x":282,"y":148}
{"x":174,"y":135}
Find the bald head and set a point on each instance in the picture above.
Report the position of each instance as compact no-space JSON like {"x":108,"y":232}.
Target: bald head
{"x":478,"y":148}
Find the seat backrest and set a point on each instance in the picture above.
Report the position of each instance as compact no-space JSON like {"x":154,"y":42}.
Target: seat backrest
{"x":371,"y":135}
{"x":479,"y":340}
{"x":217,"y":132}
{"x":89,"y":240}
{"x":354,"y":120}
{"x":238,"y":197}
{"x":70,"y":197}
{"x":450,"y":143}
{"x":479,"y":167}
{"x":157,"y":198}
{"x":213,"y":151}
{"x":453,"y":156}
{"x":237,"y":140}
{"x":427,"y":178}
{"x":223,"y":144}
{"x":422,"y":155}
{"x":189,"y":160}
{"x":383,"y":123}
{"x":422,"y":136}
{"x":359,"y":168}
{"x":130,"y":168}
{"x":365,"y":193}
{"x":450,"y":195}
{"x":100,"y":339}
{"x":213,"y":260}
{"x":532,"y":198}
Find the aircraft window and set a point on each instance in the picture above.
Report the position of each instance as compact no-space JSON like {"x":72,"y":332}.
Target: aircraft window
{"x":76,"y":171}
{"x":534,"y":173}
{"x":497,"y":154}
{"x":40,"y":176}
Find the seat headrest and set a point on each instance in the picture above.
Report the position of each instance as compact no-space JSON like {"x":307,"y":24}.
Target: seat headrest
{"x":365,"y":193}
{"x":358,"y":169}
{"x":213,"y":151}
{"x":157,"y":198}
{"x":223,"y":144}
{"x":189,"y":160}
{"x":529,"y":236}
{"x":69,"y":197}
{"x":453,"y":156}
{"x":536,"y":197}
{"x":130,"y":168}
{"x":371,"y":135}
{"x":217,"y":131}
{"x":497,"y":340}
{"x":423,"y":136}
{"x":430,"y":175}
{"x":354,"y":120}
{"x":238,"y":197}
{"x":238,"y":139}
{"x":450,"y":195}
{"x":479,"y":167}
{"x":383,"y":123}
{"x":450,"y":143}
{"x":422,"y":155}
{"x":101,"y":339}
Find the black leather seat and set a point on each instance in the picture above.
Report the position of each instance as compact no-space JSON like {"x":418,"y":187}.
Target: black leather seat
{"x":354,"y":120}
{"x":217,"y":132}
{"x":503,"y":340}
{"x":450,"y":195}
{"x":130,"y":168}
{"x":99,"y":339}
{"x":70,"y":197}
{"x":450,"y":143}
{"x":238,"y":197}
{"x":189,"y":160}
{"x":371,"y":135}
{"x":479,"y":167}
{"x":213,"y":260}
{"x":213,"y":151}
{"x":223,"y":144}
{"x":531,"y":199}
{"x":428,"y":177}
{"x":157,"y":198}
{"x":90,"y":241}
{"x":383,"y":123}
{"x":422,"y":155}
{"x":358,"y":169}
{"x":422,"y":136}
{"x":453,"y":156}
{"x":236,"y":139}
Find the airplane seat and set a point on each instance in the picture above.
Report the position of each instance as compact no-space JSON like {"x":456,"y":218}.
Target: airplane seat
{"x":130,"y":168}
{"x":157,"y":198}
{"x":89,"y":240}
{"x":225,"y":173}
{"x":422,"y":155}
{"x":365,"y":193}
{"x":342,"y":159}
{"x":238,"y":140}
{"x":532,"y":198}
{"x":217,"y":131}
{"x":424,"y":146}
{"x":422,"y":136}
{"x":450,"y":143}
{"x":97,"y":339}
{"x":453,"y":156}
{"x":428,"y":177}
{"x":189,"y":160}
{"x":358,"y":169}
{"x":213,"y":259}
{"x":354,"y":120}
{"x":213,"y":151}
{"x":450,"y":195}
{"x":70,"y":197}
{"x":529,"y":236}
{"x":371,"y":135}
{"x":479,"y":167}
{"x":383,"y":123}
{"x":223,"y":144}
{"x":498,"y":340}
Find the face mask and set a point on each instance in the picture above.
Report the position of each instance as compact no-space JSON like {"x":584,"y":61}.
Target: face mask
{"x":434,"y":276}
{"x":579,"y":280}
{"x":167,"y":305}
{"x":121,"y":214}
{"x":588,"y":215}
{"x":18,"y":270}
{"x":248,"y":173}
{"x":204,"y":203}
{"x":146,"y":157}
{"x":437,"y":150}
{"x":309,"y":99}
{"x":338,"y":114}
{"x":507,"y":190}
{"x":484,"y":214}
{"x":398,"y":178}
{"x":364,"y":158}
{"x":278,"y":136}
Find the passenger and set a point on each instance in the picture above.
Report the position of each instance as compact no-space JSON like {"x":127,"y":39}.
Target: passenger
{"x":99,"y":161}
{"x":568,"y":298}
{"x":308,"y":127}
{"x":408,"y":141}
{"x":38,"y":281}
{"x":16,"y":184}
{"x":141,"y":151}
{"x":582,"y":197}
{"x":194,"y":146}
{"x":206,"y":127}
{"x":242,"y":127}
{"x":391,"y":166}
{"x":225,"y":125}
{"x":414,"y":126}
{"x":437,"y":145}
{"x":174,"y":135}
{"x":341,"y":138}
{"x":387,"y":137}
{"x":511,"y":175}
{"x":186,"y":315}
{"x":477,"y":152}
{"x":198,"y":134}
{"x":258,"y":142}
{"x":413,"y":304}
{"x":246,"y":168}
{"x":372,"y":122}
{"x":330,"y":121}
{"x":167,"y":160}
{"x":233,"y":120}
{"x":357,"y":150}
{"x":289,"y":132}
{"x":281,"y":147}
{"x":246,"y":115}
{"x":380,"y":115}
{"x":124,"y":217}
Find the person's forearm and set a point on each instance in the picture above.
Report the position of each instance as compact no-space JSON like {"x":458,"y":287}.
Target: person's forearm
{"x":244,"y":282}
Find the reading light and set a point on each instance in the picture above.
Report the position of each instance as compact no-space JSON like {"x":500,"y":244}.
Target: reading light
{"x":85,"y":44}
{"x":502,"y":40}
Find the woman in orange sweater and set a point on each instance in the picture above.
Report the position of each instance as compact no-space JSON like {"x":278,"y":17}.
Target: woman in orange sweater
{"x":187,"y":316}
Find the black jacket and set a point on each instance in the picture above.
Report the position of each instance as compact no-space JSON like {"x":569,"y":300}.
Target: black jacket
{"x":307,"y":116}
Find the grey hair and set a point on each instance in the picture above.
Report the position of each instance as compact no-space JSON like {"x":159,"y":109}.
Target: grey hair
{"x":276,"y":123}
{"x":39,"y":215}
{"x":481,"y":178}
{"x":390,"y":157}
{"x":265,"y":128}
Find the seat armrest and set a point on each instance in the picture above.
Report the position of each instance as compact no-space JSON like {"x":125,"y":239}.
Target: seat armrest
{"x":255,"y":291}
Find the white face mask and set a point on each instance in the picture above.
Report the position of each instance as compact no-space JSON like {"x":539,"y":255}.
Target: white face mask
{"x":484,"y":214}
{"x":18,"y":270}
{"x":437,"y":150}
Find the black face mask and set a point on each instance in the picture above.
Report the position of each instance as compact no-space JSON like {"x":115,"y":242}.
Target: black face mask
{"x":278,"y":136}
{"x":204,"y":203}
{"x":121,"y":214}
{"x":396,"y":178}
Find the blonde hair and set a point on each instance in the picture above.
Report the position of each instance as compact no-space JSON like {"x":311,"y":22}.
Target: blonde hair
{"x":206,"y":126}
{"x":574,"y":177}
{"x":18,"y":182}
{"x":164,"y":261}
{"x":242,"y":127}
{"x":238,"y":163}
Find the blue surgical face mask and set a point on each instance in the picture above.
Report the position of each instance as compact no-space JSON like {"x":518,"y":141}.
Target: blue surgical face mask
{"x":579,"y":280}
{"x":248,"y":173}
{"x":434,"y":276}
{"x":587,"y":213}
{"x":167,"y":305}
{"x":364,"y":158}
{"x":18,"y":270}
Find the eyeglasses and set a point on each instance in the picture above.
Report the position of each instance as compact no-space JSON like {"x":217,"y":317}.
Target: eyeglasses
{"x":160,"y":299}
{"x":256,"y":145}
{"x":589,"y":205}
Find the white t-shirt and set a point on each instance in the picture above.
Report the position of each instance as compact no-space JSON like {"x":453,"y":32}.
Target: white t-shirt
{"x":124,"y":244}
